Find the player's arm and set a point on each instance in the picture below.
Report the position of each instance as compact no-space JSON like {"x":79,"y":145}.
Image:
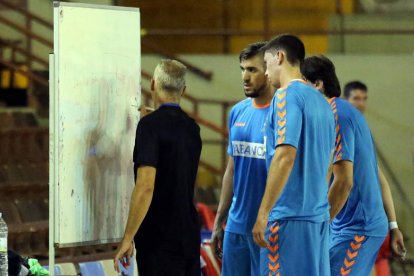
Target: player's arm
{"x":341,"y":186}
{"x":329,"y":175}
{"x":223,"y":207}
{"x":140,"y":203}
{"x":289,"y":114}
{"x":146,"y":153}
{"x":279,"y":171}
{"x":397,"y":242}
{"x":226,"y":193}
{"x":140,"y":200}
{"x":330,"y":170}
{"x":225,"y":196}
{"x":387,"y":196}
{"x":343,"y":160}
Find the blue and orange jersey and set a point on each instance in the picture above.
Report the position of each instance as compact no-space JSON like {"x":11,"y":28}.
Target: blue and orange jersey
{"x":301,"y":117}
{"x":246,"y":146}
{"x":363,"y":212}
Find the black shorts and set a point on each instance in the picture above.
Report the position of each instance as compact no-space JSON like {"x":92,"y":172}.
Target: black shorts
{"x":159,"y":262}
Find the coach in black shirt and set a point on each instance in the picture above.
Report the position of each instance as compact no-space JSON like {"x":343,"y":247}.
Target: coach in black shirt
{"x":162,"y":214}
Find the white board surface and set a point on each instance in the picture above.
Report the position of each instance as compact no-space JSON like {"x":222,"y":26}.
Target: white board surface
{"x":95,"y":106}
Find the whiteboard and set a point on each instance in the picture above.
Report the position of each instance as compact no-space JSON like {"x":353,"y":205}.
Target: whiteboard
{"x":96,"y":74}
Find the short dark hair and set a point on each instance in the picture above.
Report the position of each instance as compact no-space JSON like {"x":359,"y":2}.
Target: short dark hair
{"x":291,"y":44}
{"x":352,"y":85}
{"x":321,"y":68}
{"x":251,"y":50}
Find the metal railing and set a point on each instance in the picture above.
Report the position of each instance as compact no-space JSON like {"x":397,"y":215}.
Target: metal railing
{"x":31,"y":57}
{"x":266,"y":31}
{"x":207,"y":75}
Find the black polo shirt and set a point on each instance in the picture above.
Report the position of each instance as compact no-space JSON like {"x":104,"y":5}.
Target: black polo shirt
{"x":169,"y":140}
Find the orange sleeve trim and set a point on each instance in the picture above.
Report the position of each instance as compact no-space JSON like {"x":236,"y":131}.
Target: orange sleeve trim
{"x":281,"y":114}
{"x":338,"y":140}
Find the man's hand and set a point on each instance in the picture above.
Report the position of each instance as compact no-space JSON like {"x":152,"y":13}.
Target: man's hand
{"x":217,"y":240}
{"x":144,"y":111}
{"x":259,"y":230}
{"x":397,"y":244}
{"x":124,"y":254}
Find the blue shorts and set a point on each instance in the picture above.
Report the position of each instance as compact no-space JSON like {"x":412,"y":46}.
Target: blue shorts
{"x":240,"y":255}
{"x":296,"y":248}
{"x":353,"y":254}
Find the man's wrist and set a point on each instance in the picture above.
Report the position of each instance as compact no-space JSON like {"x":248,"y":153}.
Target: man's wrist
{"x":128,"y":238}
{"x":221,"y":218}
{"x":392,"y":225}
{"x":263,"y":213}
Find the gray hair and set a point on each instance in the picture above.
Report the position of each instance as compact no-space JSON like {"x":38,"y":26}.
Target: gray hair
{"x":169,"y":75}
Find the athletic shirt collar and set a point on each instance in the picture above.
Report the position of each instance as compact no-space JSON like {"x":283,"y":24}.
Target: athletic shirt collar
{"x":170,"y":104}
{"x":294,"y":80}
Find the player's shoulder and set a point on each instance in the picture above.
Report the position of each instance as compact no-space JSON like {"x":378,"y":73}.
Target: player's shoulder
{"x":345,"y":109}
{"x":300,"y":87}
{"x":241,"y":106}
{"x":147,"y":123}
{"x":189,"y":121}
{"x":346,"y":112}
{"x":149,"y":118}
{"x":194,"y":126}
{"x":340,"y":102}
{"x":296,"y":90}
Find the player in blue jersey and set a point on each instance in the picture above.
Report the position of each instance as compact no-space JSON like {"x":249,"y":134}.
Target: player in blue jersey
{"x":293,"y":219}
{"x":245,"y":177}
{"x":356,"y":93}
{"x":356,"y":194}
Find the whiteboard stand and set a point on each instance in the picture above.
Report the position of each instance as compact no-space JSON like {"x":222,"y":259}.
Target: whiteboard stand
{"x":94,"y":91}
{"x":51,"y":165}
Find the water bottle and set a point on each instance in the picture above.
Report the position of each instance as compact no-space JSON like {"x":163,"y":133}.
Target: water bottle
{"x":3,"y":248}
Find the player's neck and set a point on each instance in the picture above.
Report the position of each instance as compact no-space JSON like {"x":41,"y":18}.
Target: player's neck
{"x":168,"y":100}
{"x":290,"y":73}
{"x":162,"y":97}
{"x":265,"y":98}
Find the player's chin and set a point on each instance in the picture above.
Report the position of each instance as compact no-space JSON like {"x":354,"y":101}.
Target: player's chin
{"x":250,"y":93}
{"x":361,"y":109}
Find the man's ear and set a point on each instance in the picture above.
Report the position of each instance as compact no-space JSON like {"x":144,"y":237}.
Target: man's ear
{"x":280,"y":57}
{"x":152,"y":85}
{"x":184,"y":91}
{"x":319,"y":85}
